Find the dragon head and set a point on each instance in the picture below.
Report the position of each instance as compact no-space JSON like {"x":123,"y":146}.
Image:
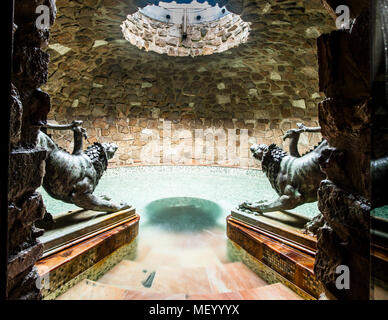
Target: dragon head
{"x":258,"y":151}
{"x":110,"y":149}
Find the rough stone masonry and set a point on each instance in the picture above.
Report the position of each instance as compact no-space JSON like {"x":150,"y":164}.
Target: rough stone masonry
{"x":265,"y":85}
{"x":29,"y":108}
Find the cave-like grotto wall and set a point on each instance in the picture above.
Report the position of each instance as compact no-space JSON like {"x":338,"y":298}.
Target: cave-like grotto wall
{"x":344,"y":117}
{"x":379,"y":154}
{"x":344,"y":197}
{"x":264,"y":86}
{"x":29,"y":107}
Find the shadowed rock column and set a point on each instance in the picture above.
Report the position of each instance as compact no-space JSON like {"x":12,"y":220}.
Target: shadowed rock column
{"x":29,"y":108}
{"x":344,"y":197}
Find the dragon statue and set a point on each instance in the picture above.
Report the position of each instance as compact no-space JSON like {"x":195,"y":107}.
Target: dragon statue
{"x":295,"y":178}
{"x":73,"y":177}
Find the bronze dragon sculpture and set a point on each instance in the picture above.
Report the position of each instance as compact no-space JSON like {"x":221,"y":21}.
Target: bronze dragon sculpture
{"x":295,"y":178}
{"x":72,"y":177}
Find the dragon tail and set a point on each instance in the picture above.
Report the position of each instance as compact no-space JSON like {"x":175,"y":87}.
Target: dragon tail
{"x":311,"y":150}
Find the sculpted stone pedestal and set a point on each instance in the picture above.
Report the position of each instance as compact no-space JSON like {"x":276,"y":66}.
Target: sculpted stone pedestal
{"x":71,"y":228}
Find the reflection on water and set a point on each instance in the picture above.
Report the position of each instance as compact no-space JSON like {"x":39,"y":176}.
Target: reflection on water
{"x":139,"y":186}
{"x":183,"y":214}
{"x":182,"y":209}
{"x":158,"y":246}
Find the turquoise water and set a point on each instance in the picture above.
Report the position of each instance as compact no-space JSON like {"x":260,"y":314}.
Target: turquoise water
{"x":183,"y":214}
{"x":381,"y":212}
{"x":140,"y":186}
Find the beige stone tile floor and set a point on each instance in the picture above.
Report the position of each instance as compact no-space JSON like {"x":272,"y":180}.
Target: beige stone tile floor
{"x":172,"y":265}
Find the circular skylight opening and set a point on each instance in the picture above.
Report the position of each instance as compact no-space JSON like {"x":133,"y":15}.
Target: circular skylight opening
{"x":177,"y":12}
{"x":185,"y":29}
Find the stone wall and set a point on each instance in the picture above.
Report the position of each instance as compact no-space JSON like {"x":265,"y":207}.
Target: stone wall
{"x":29,"y":108}
{"x":265,"y":85}
{"x":202,"y":38}
{"x":185,"y":141}
{"x":345,"y":116}
{"x":379,"y":154}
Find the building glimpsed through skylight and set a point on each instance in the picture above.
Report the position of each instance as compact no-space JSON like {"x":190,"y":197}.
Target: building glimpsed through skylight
{"x":185,"y":28}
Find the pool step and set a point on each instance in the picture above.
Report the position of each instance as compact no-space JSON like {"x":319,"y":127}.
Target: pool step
{"x":140,"y":276}
{"x":129,"y":275}
{"x":193,"y":257}
{"x":233,"y":276}
{"x":277,"y":291}
{"x":91,"y":290}
{"x":213,"y":240}
{"x":190,"y":280}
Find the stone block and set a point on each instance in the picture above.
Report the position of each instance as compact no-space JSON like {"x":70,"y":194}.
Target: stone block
{"x":30,"y":66}
{"x":38,"y":107}
{"x":24,"y":214}
{"x":27,"y":32}
{"x":24,"y":285}
{"x":344,"y":240}
{"x":24,"y":259}
{"x":100,"y":123}
{"x":347,"y":126}
{"x":26,"y":171}
{"x":15,"y":117}
{"x":344,"y":62}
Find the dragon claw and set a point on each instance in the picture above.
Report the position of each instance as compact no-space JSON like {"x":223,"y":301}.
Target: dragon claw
{"x":250,"y":207}
{"x":124,"y":205}
{"x":245,"y":204}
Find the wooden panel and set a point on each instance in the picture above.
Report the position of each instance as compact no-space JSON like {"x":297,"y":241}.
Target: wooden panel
{"x":67,"y":264}
{"x":285,"y":225}
{"x":79,"y":225}
{"x":294,"y":265}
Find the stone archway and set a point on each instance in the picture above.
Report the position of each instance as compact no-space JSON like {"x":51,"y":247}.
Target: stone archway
{"x":30,"y":72}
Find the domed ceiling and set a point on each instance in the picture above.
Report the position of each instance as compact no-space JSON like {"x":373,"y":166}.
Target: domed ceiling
{"x":273,"y":74}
